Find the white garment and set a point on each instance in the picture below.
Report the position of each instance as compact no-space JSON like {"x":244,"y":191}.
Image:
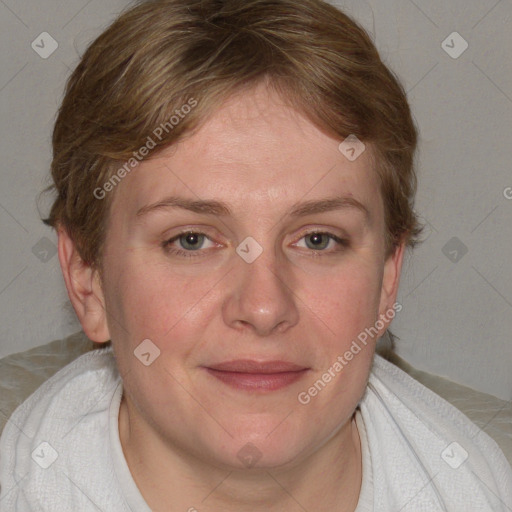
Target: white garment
{"x":60,"y":451}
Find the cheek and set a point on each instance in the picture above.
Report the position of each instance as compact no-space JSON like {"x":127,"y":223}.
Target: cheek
{"x":152,"y":301}
{"x":346,"y":302}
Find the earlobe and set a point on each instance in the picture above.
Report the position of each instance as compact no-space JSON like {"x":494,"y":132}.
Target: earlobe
{"x":84,"y":289}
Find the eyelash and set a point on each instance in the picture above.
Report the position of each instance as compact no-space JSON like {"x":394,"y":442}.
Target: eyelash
{"x":343,"y":243}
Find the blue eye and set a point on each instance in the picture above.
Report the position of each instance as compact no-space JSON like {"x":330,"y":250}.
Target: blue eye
{"x":189,"y":241}
{"x":319,"y":241}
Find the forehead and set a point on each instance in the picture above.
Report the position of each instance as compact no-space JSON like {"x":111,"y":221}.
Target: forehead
{"x":256,"y":153}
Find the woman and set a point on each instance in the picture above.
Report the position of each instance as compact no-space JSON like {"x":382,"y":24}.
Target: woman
{"x":235,"y":195}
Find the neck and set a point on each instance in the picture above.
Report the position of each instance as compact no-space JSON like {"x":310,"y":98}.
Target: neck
{"x":328,"y":479}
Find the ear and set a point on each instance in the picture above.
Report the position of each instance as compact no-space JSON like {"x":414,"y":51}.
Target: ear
{"x":390,"y":283}
{"x":84,"y":289}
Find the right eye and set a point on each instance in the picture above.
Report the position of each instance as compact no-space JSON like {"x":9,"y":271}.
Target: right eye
{"x":190,"y":242}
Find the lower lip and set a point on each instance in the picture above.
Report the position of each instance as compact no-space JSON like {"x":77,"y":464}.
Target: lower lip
{"x":257,"y":381}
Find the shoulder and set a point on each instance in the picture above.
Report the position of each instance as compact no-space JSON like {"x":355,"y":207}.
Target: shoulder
{"x":404,"y":393}
{"x":70,"y":389}
{"x":66,"y":418}
{"x":412,"y":428}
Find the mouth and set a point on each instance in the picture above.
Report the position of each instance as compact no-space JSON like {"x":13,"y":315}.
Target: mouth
{"x":249,"y":375}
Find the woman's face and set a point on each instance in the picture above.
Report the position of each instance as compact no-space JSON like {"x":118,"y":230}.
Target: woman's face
{"x":254,"y":282}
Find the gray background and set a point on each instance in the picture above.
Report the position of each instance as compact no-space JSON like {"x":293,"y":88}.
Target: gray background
{"x":456,"y":288}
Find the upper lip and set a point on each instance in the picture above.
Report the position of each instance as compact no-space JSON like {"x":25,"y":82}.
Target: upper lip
{"x":251,"y":366}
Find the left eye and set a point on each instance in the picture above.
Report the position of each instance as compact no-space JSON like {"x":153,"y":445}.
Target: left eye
{"x":319,"y":241}
{"x":189,"y":241}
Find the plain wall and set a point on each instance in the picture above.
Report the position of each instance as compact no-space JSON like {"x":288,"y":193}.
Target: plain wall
{"x":456,"y":288}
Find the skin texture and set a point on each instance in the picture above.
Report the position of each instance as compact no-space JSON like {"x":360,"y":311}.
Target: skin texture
{"x":181,"y":429}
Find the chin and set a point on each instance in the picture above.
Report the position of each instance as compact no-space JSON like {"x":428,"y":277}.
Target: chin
{"x":271,"y":445}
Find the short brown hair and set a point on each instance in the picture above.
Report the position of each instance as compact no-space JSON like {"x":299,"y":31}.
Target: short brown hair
{"x":159,"y":54}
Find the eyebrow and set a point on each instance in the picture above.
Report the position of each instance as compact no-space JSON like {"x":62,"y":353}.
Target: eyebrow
{"x":220,"y":208}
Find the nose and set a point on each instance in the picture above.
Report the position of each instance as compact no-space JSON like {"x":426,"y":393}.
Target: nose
{"x":261,"y":297}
